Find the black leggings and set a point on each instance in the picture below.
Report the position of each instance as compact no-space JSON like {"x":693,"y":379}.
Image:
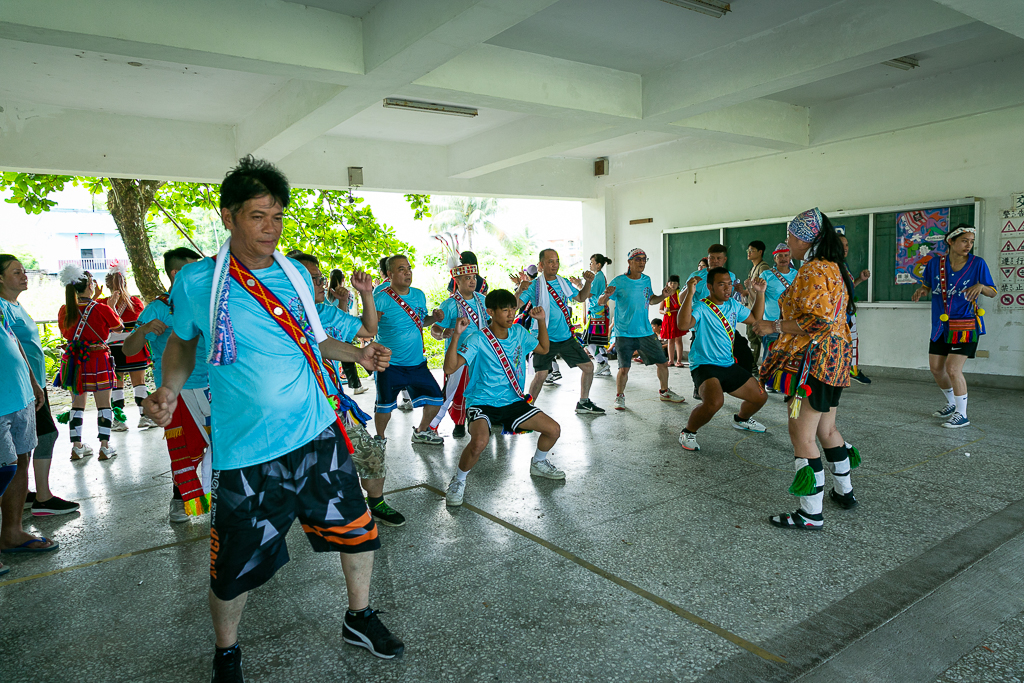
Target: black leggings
{"x":351,"y":374}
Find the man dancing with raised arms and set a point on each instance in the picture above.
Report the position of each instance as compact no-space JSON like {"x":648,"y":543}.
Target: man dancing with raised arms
{"x":495,"y":356}
{"x":402,"y":314}
{"x":553,"y":294}
{"x":465,"y":302}
{"x":279,"y":451}
{"x":188,"y":434}
{"x":633,"y":332}
{"x":714,"y":369}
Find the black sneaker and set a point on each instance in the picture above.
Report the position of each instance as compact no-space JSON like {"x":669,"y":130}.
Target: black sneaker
{"x":54,"y":506}
{"x":861,"y":377}
{"x":459,"y":431}
{"x":30,"y":498}
{"x":227,"y":666}
{"x":385,"y":514}
{"x":588,"y":406}
{"x":845,"y":501}
{"x":365,"y":630}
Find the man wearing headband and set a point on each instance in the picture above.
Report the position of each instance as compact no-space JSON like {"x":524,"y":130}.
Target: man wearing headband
{"x":465,"y":302}
{"x":954,"y":281}
{"x":632,"y":295}
{"x":554,"y":294}
{"x":778,"y":280}
{"x":280,"y":451}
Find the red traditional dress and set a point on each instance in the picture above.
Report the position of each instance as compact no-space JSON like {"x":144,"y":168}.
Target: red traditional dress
{"x":86,"y":364}
{"x":669,"y":329}
{"x":129,"y":311}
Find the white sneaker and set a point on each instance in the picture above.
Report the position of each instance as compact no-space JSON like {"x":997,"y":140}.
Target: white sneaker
{"x":455,"y":493}
{"x":107,"y":452}
{"x":688,"y":441}
{"x":145,"y":422}
{"x":945,"y":412}
{"x":80,"y":451}
{"x":405,"y":406}
{"x":749,"y":425}
{"x":545,"y":469}
{"x":361,"y":389}
{"x":620,"y":402}
{"x":177,"y":512}
{"x":671,"y":396}
{"x":603,"y":369}
{"x":956,"y":422}
{"x":430,"y":436}
{"x":118,"y":426}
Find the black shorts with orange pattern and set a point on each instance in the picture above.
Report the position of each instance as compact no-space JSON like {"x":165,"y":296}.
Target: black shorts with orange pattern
{"x":253,"y":507}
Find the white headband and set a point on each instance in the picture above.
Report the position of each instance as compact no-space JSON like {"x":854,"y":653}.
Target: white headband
{"x":959,"y":231}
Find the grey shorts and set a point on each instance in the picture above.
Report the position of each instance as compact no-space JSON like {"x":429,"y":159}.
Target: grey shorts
{"x":17,"y":434}
{"x":650,"y":348}
{"x":570,"y":351}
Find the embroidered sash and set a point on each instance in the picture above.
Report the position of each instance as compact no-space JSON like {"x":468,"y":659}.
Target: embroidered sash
{"x":785,"y":283}
{"x":729,"y":329}
{"x":561,"y":305}
{"x":959,"y":330}
{"x":471,"y":313}
{"x":407,"y":308}
{"x":283,"y":317}
{"x":510,"y":373}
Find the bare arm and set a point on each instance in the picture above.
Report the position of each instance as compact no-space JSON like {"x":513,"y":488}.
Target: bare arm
{"x":452,"y":360}
{"x":684,"y":319}
{"x":179,"y":361}
{"x":537,"y":313}
{"x":364,"y":285}
{"x":37,"y":391}
{"x":136,"y":341}
{"x":584,"y":294}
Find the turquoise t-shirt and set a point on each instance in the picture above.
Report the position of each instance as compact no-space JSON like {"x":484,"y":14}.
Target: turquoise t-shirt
{"x":488,"y":384}
{"x":267,"y":403}
{"x":712,"y":344}
{"x":158,"y":310}
{"x":774,"y":291}
{"x":453,"y":311}
{"x":558,"y":328}
{"x":397,"y":331}
{"x":632,"y":300}
{"x":597,"y":288}
{"x":27,"y":332}
{"x":16,"y":388}
{"x":337,"y":323}
{"x":702,"y":286}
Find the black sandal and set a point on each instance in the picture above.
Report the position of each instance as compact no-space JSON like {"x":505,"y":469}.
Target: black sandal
{"x":843,"y":500}
{"x":790,"y":521}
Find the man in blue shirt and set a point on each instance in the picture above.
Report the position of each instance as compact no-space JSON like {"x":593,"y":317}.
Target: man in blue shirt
{"x":777,"y":280}
{"x":554,"y":296}
{"x":278,"y":450}
{"x":188,"y":433}
{"x":632,"y":295}
{"x":402,"y":314}
{"x":712,"y":366}
{"x":495,"y":356}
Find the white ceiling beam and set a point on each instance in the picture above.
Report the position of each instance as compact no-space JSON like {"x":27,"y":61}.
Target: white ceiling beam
{"x":273,"y":37}
{"x":762,"y":123}
{"x":965,"y":92}
{"x":402,"y":41}
{"x":833,"y":40}
{"x":1006,"y":15}
{"x":286,"y":118}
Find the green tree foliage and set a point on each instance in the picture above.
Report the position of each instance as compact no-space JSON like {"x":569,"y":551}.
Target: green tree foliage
{"x":465,"y":216}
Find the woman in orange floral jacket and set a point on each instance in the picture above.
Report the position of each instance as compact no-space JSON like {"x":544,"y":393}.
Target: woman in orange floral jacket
{"x":810,"y":363}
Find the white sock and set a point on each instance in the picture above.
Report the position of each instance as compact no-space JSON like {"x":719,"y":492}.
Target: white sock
{"x":554,"y":366}
{"x":540,"y":456}
{"x":961,"y":404}
{"x":948,"y":393}
{"x":841,"y":475}
{"x":461,"y":475}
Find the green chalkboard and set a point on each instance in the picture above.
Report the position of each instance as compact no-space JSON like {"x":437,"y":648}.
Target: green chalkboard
{"x":857,"y":230}
{"x":683,"y":251}
{"x":737,"y":239}
{"x":884,"y":275}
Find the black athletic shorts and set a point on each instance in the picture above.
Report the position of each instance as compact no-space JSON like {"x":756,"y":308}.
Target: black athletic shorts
{"x":944,"y":348}
{"x":510,"y":417}
{"x":252,"y":508}
{"x":731,"y":378}
{"x":570,"y":351}
{"x":824,"y":397}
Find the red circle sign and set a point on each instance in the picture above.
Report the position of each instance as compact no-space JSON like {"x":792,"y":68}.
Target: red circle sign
{"x":1006,"y":299}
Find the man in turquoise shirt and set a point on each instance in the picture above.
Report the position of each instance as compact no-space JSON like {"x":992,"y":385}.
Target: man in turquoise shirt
{"x":278,"y":451}
{"x":712,"y":366}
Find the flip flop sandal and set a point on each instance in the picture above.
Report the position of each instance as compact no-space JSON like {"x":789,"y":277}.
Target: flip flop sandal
{"x":4,"y":569}
{"x":24,"y":547}
{"x":789,"y":521}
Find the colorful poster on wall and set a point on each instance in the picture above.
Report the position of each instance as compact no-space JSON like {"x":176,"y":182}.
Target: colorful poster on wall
{"x":919,"y":234}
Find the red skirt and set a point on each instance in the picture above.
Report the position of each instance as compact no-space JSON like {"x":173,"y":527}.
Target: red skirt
{"x":669,"y":329}
{"x":94,"y":373}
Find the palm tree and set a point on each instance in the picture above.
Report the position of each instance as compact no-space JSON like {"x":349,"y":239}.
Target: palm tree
{"x":465,"y":216}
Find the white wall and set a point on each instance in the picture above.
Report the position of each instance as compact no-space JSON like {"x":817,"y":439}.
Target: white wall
{"x":980,"y":156}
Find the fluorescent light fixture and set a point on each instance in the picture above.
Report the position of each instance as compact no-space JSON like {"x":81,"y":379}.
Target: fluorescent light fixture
{"x":432,"y":107}
{"x":906,"y":63}
{"x":712,"y":8}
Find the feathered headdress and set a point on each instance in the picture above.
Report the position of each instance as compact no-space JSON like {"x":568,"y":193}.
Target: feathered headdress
{"x":118,"y":266}
{"x":455,"y":267}
{"x":71,"y":274}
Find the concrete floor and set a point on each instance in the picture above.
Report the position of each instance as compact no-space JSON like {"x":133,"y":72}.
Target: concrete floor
{"x":647,"y":564}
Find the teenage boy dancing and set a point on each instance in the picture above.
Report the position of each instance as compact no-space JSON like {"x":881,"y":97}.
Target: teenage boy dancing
{"x":495,"y":357}
{"x":712,"y":366}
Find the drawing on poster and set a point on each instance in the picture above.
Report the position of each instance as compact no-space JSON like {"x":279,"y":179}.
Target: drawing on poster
{"x":919,"y":235}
